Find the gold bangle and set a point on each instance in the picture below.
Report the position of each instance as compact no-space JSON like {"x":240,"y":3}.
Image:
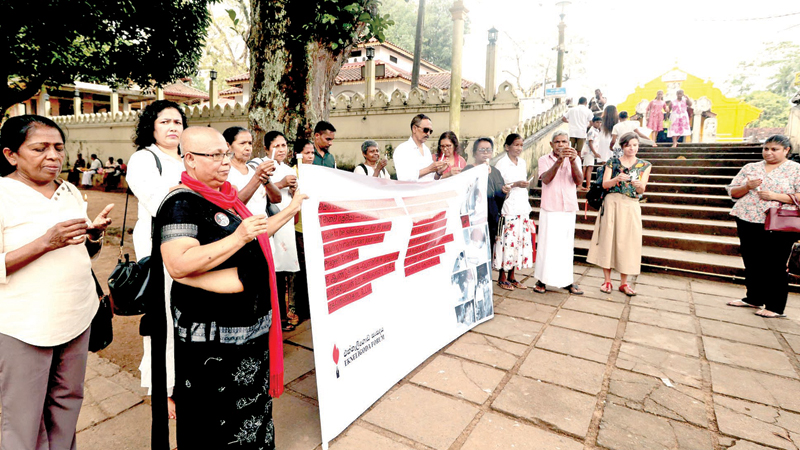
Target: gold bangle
{"x":98,"y":240}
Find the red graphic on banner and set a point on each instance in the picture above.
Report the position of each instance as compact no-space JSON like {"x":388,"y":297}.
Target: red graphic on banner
{"x":411,"y":270}
{"x":350,"y":297}
{"x":341,"y":259}
{"x":429,"y":218}
{"x":347,"y":244}
{"x":426,"y":237}
{"x":428,"y":227}
{"x":428,"y":245}
{"x":335,"y":354}
{"x":354,"y":205}
{"x":352,"y":283}
{"x":410,"y":260}
{"x":465,"y":221}
{"x":358,"y":230}
{"x":355,"y":269}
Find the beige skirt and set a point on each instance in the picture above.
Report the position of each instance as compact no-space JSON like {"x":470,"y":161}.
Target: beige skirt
{"x":617,"y":237}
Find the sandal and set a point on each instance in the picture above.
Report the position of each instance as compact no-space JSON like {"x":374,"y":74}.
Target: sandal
{"x":286,"y":326}
{"x":606,"y":288}
{"x":505,"y":285}
{"x":574,"y":289}
{"x":741,"y":304}
{"x":769,"y":314}
{"x":517,"y":284}
{"x":539,"y":288}
{"x":625,"y":289}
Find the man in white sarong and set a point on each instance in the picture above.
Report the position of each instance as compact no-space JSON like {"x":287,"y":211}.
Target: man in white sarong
{"x":560,"y":172}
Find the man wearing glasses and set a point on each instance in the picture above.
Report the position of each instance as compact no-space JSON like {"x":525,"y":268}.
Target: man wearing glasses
{"x":412,"y":158}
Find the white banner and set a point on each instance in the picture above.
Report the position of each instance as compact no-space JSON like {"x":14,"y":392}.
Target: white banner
{"x":396,"y":271}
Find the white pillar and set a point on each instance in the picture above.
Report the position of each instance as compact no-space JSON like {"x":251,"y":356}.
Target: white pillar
{"x":114,"y":102}
{"x":369,"y":82}
{"x":76,"y":103}
{"x":126,"y":105}
{"x":458,"y":11}
{"x":159,"y":93}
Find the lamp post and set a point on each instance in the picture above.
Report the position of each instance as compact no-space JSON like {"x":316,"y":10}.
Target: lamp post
{"x":418,"y":44}
{"x":491,"y":64}
{"x":458,"y":12}
{"x":369,"y":76}
{"x":560,"y":64}
{"x":76,"y":102}
{"x":212,"y":89}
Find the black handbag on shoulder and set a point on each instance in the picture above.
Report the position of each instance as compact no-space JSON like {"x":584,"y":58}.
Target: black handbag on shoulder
{"x":102,"y":331}
{"x":597,"y":193}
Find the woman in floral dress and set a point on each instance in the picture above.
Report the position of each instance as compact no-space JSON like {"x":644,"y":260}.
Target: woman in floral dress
{"x":679,"y":117}
{"x":515,"y":248}
{"x":655,"y":115}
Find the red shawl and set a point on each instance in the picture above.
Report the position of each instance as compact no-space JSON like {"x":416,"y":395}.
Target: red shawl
{"x":227,"y":198}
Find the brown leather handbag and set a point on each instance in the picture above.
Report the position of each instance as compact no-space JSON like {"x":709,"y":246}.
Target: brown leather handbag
{"x":782,"y":219}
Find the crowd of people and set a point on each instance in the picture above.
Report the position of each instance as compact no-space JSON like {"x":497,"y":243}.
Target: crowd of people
{"x":214,"y":220}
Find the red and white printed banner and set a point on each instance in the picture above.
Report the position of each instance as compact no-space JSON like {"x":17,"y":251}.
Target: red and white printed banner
{"x":396,"y":271}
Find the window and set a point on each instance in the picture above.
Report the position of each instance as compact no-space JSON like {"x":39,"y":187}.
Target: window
{"x":355,"y":53}
{"x":393,"y":59}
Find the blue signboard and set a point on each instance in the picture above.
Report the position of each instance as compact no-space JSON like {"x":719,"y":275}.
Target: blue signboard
{"x":555,"y":92}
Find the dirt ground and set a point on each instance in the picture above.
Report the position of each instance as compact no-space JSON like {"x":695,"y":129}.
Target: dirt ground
{"x":126,"y":349}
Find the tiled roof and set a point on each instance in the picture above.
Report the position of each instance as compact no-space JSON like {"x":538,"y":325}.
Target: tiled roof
{"x":390,"y":45}
{"x":231,"y":91}
{"x":442,"y":80}
{"x":241,"y":77}
{"x":183,"y":90}
{"x":351,"y":73}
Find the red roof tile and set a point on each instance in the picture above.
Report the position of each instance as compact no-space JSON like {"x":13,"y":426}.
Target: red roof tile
{"x":442,"y":80}
{"x":241,"y":77}
{"x":185,"y":91}
{"x":231,"y":91}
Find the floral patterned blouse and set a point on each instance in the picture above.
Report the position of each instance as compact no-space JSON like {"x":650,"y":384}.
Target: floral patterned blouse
{"x":615,"y":165}
{"x":784,"y":179}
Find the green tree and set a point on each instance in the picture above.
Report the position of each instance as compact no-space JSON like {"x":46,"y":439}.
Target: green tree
{"x":777,"y":63}
{"x":296,"y":51}
{"x":437,"y":36}
{"x":118,"y":42}
{"x":774,"y":109}
{"x":225,"y":47}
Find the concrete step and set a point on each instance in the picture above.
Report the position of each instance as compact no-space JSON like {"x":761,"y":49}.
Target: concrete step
{"x":704,"y":265}
{"x":696,"y":170}
{"x":648,"y":155}
{"x":672,"y":224}
{"x":690,"y":179}
{"x":681,"y":188}
{"x":705,"y":243}
{"x":721,"y":201}
{"x":651,"y":208}
{"x":703,"y":162}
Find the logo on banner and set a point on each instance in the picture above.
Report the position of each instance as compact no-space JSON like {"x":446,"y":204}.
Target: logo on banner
{"x":336,"y":359}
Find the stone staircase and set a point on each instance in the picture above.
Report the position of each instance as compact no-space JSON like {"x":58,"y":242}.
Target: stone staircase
{"x":687,"y":228}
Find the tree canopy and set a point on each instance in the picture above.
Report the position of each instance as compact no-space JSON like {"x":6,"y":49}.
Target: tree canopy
{"x":117,"y":42}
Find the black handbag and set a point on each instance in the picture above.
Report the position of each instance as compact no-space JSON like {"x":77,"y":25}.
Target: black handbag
{"x":102,"y":331}
{"x":597,"y":193}
{"x":128,"y":279}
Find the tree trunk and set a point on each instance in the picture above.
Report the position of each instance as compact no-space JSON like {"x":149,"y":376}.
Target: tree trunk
{"x":291,"y":76}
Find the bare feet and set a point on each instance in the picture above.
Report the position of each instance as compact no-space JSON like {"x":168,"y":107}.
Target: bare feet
{"x":171,"y":407}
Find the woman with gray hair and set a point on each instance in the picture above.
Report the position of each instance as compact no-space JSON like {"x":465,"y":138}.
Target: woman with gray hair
{"x":373,"y":165}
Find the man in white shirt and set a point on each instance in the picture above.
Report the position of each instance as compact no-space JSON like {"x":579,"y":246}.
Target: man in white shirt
{"x":627,"y":126}
{"x":579,"y":118}
{"x":412,"y":158}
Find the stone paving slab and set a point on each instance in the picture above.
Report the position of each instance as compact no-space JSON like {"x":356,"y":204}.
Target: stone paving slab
{"x":588,"y":323}
{"x":359,"y":438}
{"x":567,"y":410}
{"x":432,"y":419}
{"x":721,"y":289}
{"x":303,"y":339}
{"x":510,"y":328}
{"x":744,"y":355}
{"x":794,"y":342}
{"x":594,"y":306}
{"x":786,"y":326}
{"x":740,"y":316}
{"x":575,"y":343}
{"x":296,"y":362}
{"x":625,"y":429}
{"x":663,"y":281}
{"x":654,"y":396}
{"x":660,"y":304}
{"x":575,"y":373}
{"x":739,"y":333}
{"x":306,"y":386}
{"x":496,"y":432}
{"x":591,"y":289}
{"x":665,"y":319}
{"x":756,"y":386}
{"x":551,"y":298}
{"x":460,"y":378}
{"x":663,"y":292}
{"x":487,"y":350}
{"x":659,"y":363}
{"x":525,"y":310}
{"x":712,"y":300}
{"x":661,"y":338}
{"x":757,"y":423}
{"x":297,"y":424}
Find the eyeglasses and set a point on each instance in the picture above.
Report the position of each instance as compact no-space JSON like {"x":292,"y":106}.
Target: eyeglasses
{"x":425,"y":130}
{"x":217,"y":157}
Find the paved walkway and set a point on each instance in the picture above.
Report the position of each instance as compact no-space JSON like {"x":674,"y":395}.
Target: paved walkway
{"x":672,"y":368}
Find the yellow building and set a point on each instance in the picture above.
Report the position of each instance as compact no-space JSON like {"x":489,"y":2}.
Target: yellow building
{"x":732,"y":115}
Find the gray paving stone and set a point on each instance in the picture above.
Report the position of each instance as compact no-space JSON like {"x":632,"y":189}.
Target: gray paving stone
{"x":525,"y":310}
{"x":591,"y":289}
{"x":588,"y":323}
{"x":754,"y":422}
{"x":661,"y":304}
{"x":756,"y":386}
{"x":296,"y":423}
{"x":740,"y":333}
{"x":487,"y":350}
{"x":459,"y":378}
{"x":625,"y":429}
{"x":548,"y":298}
{"x":100,"y":388}
{"x":495,"y":432}
{"x":749,"y":356}
{"x":597,"y":272}
{"x":297,"y":361}
{"x":648,"y":394}
{"x":360,"y":438}
{"x":747,"y":445}
{"x":664,"y":281}
{"x":511,"y":328}
{"x":575,"y":373}
{"x":306,"y":386}
{"x":790,"y":326}
{"x":661,"y":338}
{"x":712,"y":300}
{"x":575,"y":343}
{"x":794,"y":342}
{"x":594,"y":306}
{"x":741,"y":316}
{"x":721,"y":289}
{"x":663,"y":292}
{"x":127,"y":431}
{"x":303,"y":339}
{"x":664,"y":319}
{"x":567,"y":410}
{"x":423,"y":416}
{"x":659,"y":363}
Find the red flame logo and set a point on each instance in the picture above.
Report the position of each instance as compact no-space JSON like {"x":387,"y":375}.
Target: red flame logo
{"x":335,"y":354}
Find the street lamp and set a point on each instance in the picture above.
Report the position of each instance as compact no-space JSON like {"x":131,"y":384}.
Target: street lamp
{"x":370,"y":53}
{"x":492,"y":35}
{"x":560,"y":64}
{"x":213,"y":74}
